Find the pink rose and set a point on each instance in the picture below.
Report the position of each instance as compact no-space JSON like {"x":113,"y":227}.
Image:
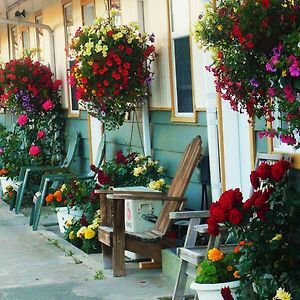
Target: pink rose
{"x":22,"y":120}
{"x":34,"y":150}
{"x":48,"y":104}
{"x":41,"y":134}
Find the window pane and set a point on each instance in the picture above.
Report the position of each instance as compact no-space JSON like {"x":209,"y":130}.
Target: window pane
{"x":25,"y":39}
{"x":180,"y":16}
{"x":68,"y":15}
{"x":183,"y":75}
{"x":73,"y":99}
{"x":14,"y":41}
{"x":88,"y":14}
{"x":39,"y":36}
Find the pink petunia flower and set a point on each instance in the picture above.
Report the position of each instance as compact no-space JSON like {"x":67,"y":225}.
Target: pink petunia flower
{"x":22,"y":120}
{"x":41,"y":134}
{"x":48,"y":105}
{"x":34,"y":150}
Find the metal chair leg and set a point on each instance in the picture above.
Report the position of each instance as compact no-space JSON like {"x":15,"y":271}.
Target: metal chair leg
{"x":21,"y":191}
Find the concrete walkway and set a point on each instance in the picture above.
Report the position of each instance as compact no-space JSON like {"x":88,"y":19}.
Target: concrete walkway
{"x":43,"y":266}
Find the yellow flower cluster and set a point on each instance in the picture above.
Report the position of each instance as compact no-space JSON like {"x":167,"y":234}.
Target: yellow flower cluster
{"x":156,"y":185}
{"x":86,"y":232}
{"x":281,"y":294}
{"x":138,"y":171}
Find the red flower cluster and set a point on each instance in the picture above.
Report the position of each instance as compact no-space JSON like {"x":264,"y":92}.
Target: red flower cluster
{"x":231,"y":209}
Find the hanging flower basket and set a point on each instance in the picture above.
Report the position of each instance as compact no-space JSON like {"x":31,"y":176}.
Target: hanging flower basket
{"x":256,"y":61}
{"x":112,"y":69}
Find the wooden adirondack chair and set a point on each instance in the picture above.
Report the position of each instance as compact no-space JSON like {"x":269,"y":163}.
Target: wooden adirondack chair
{"x":53,"y":181}
{"x":26,"y":171}
{"x":149,"y":243}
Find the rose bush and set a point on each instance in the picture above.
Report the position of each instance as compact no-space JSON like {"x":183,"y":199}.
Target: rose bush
{"x":268,"y":225}
{"x":112,"y":69}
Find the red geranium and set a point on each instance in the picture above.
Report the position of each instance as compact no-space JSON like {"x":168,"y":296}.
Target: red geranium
{"x":263,"y":171}
{"x":235,"y":216}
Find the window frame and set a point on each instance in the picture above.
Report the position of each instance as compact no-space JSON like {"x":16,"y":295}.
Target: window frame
{"x":72,"y":113}
{"x":14,"y":41}
{"x":83,"y":4}
{"x":188,"y":117}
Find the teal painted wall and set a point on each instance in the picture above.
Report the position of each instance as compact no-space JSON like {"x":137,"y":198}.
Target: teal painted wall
{"x":168,"y":141}
{"x":81,"y":163}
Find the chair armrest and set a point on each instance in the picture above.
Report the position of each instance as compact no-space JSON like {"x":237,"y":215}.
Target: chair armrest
{"x":144,"y":196}
{"x":42,"y":168}
{"x":203,"y":228}
{"x":189,"y":214}
{"x":126,"y":192}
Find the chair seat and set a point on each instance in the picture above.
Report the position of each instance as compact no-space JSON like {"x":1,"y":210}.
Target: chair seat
{"x":105,"y":235}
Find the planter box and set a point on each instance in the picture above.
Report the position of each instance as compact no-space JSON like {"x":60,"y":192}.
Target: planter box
{"x":213,"y":291}
{"x":65,"y":214}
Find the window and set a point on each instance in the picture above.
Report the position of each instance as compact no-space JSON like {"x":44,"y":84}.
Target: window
{"x":68,"y":25}
{"x":39,"y":35}
{"x":182,"y":84}
{"x":14,"y":42}
{"x":88,"y":12}
{"x":25,"y":39}
{"x":277,"y":144}
{"x":116,"y":4}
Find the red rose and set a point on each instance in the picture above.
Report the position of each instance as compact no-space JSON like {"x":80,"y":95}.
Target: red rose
{"x":265,"y":3}
{"x":217,"y":212}
{"x":254,"y":180}
{"x":227,"y":199}
{"x":277,"y":172}
{"x":226,"y":293}
{"x":261,"y":200}
{"x":213,"y":227}
{"x":263,"y":171}
{"x":235,"y":216}
{"x":103,"y":178}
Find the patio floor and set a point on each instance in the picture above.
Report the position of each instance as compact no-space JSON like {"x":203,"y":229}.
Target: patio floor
{"x":42,"y":265}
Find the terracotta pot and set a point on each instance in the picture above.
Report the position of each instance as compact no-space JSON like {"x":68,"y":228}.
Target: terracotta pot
{"x":212,"y":291}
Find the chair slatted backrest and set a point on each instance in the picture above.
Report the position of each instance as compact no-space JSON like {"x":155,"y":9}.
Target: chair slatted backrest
{"x":71,"y":150}
{"x":179,"y":185}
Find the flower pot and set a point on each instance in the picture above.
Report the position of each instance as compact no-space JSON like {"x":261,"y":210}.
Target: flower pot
{"x":213,"y":291}
{"x":65,"y":214}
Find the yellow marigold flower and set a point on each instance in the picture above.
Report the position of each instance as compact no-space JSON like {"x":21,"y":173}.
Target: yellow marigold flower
{"x":72,"y":235}
{"x":277,"y":237}
{"x":281,"y":294}
{"x":229,"y":268}
{"x":220,"y":27}
{"x":215,"y":254}
{"x":137,"y":171}
{"x":283,"y":73}
{"x":236,"y":274}
{"x":89,"y":233}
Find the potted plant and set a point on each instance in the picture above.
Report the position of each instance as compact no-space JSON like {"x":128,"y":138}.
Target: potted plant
{"x":112,"y":68}
{"x":268,"y":224}
{"x":217,"y":276}
{"x":73,"y":199}
{"x":256,"y":60}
